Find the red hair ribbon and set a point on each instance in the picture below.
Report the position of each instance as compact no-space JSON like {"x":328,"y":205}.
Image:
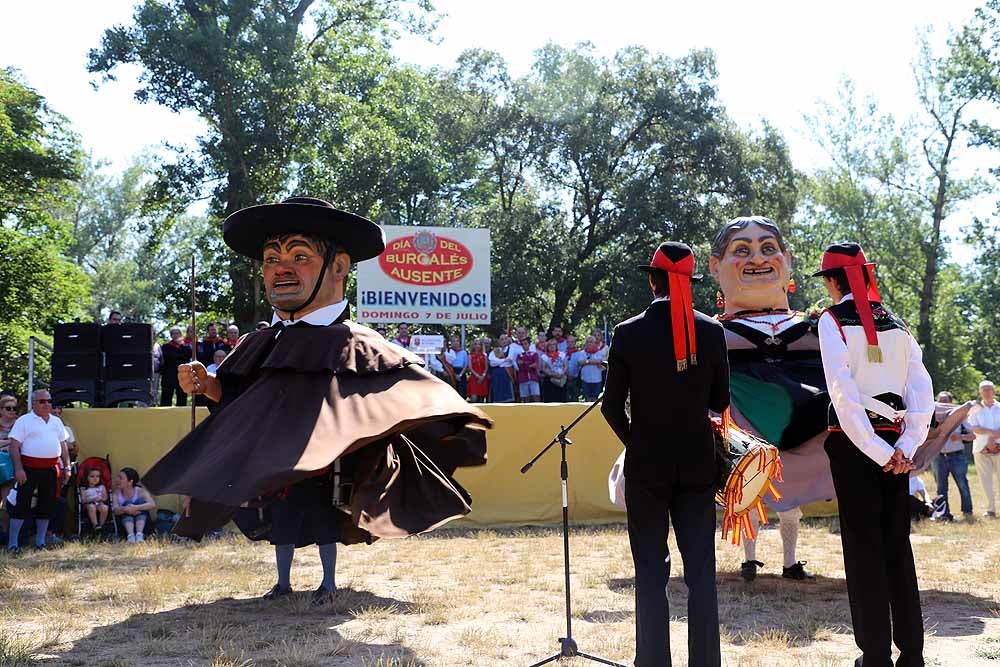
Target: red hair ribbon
{"x":681,"y":306}
{"x":856,"y":267}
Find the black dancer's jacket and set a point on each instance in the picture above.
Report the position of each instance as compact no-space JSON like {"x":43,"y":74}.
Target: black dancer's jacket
{"x":669,"y":437}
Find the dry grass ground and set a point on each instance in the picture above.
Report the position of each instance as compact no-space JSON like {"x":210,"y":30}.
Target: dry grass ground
{"x":463,"y":598}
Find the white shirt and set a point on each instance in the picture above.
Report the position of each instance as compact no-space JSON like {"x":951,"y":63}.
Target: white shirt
{"x":513,"y":350}
{"x":320,"y":317}
{"x":849,"y":374}
{"x":501,"y":362}
{"x":985,"y":417}
{"x":917,"y":485}
{"x":70,"y":436}
{"x":39,"y":438}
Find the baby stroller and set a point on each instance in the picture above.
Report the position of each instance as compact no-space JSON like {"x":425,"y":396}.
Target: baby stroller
{"x":104,"y":466}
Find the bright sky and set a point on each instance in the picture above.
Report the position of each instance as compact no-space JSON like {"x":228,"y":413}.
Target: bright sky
{"x":776,"y":58}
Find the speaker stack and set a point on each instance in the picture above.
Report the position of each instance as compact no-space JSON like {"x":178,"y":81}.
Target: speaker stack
{"x":76,"y":363}
{"x":128,"y":363}
{"x":102,"y":366}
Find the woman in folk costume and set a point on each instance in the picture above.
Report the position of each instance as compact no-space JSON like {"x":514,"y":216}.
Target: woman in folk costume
{"x":479,"y":377}
{"x":880,"y":412}
{"x":778,"y":390}
{"x":316,"y":399}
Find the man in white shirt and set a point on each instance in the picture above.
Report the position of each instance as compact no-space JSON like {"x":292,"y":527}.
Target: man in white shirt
{"x":41,"y":458}
{"x":881,"y":408}
{"x":985,"y":424}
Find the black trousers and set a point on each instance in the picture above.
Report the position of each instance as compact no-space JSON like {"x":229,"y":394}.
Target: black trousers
{"x":169,"y":388}
{"x":881,"y":577}
{"x":45,"y":481}
{"x":651,"y":509}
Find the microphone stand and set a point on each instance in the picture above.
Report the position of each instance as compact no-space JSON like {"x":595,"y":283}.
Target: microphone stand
{"x":567,"y":645}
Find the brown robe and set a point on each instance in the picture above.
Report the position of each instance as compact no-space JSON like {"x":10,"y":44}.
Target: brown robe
{"x":296,"y":399}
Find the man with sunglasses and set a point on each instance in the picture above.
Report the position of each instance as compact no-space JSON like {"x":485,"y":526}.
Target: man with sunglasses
{"x":40,"y":455}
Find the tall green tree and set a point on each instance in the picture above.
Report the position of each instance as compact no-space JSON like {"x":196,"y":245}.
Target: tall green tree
{"x":39,"y":155}
{"x":249,"y":69}
{"x":621,"y":153}
{"x":39,"y":158}
{"x":890,"y":186}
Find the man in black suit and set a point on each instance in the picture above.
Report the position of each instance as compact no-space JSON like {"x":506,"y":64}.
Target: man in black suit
{"x":671,"y":362}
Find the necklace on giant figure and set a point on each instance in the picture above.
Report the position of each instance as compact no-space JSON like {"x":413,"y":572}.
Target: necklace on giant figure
{"x":745,"y":315}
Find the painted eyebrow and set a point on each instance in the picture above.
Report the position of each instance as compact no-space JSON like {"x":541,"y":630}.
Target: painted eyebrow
{"x":747,"y":239}
{"x":274,"y":245}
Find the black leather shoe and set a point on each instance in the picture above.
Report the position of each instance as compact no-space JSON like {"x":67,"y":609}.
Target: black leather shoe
{"x":321,"y":596}
{"x":276,"y":592}
{"x":797,"y":572}
{"x":748,"y":569}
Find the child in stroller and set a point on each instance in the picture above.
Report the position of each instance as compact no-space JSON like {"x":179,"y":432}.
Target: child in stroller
{"x":94,"y":499}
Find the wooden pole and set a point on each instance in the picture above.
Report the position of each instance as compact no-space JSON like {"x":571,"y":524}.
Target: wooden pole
{"x":194,"y":338}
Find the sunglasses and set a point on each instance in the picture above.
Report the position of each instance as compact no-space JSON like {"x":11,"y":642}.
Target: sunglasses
{"x":9,"y":408}
{"x":43,"y":400}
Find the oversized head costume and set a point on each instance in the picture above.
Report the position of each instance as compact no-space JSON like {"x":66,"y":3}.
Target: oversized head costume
{"x":305,"y":403}
{"x":776,"y":374}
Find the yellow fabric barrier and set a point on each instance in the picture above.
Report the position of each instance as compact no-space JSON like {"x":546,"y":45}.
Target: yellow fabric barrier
{"x":501,"y":495}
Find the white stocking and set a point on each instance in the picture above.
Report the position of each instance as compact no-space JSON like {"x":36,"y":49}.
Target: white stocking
{"x":789,"y":529}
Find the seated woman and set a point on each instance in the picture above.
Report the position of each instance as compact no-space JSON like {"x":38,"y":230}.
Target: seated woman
{"x":132,"y":504}
{"x":94,"y":499}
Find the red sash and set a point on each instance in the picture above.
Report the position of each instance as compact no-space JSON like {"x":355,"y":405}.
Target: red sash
{"x":36,"y":463}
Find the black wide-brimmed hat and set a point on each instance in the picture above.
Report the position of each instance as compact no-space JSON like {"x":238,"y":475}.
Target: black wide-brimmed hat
{"x":673,"y":257}
{"x":246,"y":230}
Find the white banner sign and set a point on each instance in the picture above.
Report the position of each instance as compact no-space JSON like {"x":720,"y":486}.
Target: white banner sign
{"x":429,"y":275}
{"x":424,"y":344}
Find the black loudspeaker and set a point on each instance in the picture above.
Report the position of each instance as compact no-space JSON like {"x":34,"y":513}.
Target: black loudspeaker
{"x":122,"y":391}
{"x":77,"y":338}
{"x":128,"y":366}
{"x":72,"y":391}
{"x":127,"y":339}
{"x":76,"y":366}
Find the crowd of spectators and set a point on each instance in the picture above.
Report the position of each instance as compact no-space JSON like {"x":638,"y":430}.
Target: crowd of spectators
{"x":210,"y":350}
{"x":549,"y":367}
{"x":86,"y":496}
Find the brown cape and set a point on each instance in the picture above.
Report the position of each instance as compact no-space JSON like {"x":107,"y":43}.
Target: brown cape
{"x":296,"y":399}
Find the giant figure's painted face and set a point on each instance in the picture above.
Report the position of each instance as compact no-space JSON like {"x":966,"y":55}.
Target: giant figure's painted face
{"x":753,"y":270}
{"x":292,"y":265}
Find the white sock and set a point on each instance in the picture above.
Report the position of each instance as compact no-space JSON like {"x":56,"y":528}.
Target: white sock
{"x":789,"y":529}
{"x":750,"y":546}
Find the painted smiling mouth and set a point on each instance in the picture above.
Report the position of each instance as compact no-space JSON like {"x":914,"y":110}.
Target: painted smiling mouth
{"x":280,"y":284}
{"x":762,"y":271}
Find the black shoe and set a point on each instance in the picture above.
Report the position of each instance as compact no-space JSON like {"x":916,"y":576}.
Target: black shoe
{"x":12,"y":551}
{"x":321,"y":596}
{"x":797,"y":572}
{"x":748,"y":569}
{"x":276,"y":592}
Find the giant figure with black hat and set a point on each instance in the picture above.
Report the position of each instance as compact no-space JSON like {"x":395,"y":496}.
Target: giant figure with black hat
{"x":670,"y":362}
{"x":315,"y":404}
{"x":881,"y":409}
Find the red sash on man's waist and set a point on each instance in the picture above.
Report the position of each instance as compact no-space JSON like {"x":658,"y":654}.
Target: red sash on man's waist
{"x":37,"y":463}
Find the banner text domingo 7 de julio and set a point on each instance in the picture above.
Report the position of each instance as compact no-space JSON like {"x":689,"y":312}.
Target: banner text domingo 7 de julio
{"x":433,"y":275}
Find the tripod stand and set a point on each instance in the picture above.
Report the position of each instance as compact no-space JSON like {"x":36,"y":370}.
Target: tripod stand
{"x":567,"y":645}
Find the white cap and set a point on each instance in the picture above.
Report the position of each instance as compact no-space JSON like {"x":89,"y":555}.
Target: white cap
{"x":985,"y":383}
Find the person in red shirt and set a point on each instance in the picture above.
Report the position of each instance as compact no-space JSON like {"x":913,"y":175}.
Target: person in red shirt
{"x":403,"y":336}
{"x":479,"y":379}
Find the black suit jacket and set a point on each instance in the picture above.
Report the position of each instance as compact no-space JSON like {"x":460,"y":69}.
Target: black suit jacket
{"x":669,"y":437}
